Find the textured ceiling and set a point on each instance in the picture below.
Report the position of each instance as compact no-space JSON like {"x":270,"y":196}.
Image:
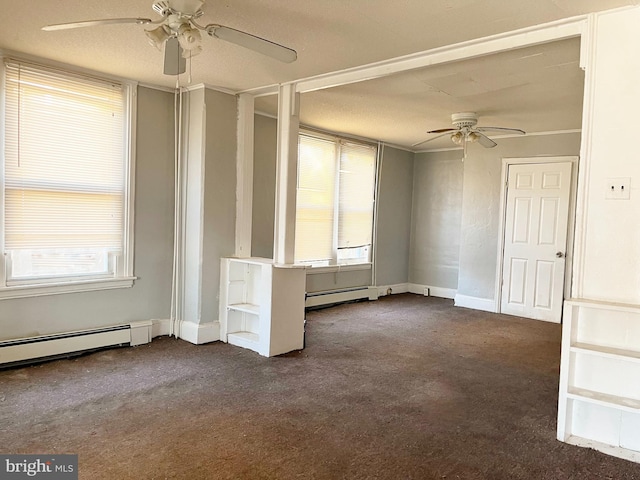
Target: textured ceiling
{"x":537,"y":89}
{"x":332,"y":35}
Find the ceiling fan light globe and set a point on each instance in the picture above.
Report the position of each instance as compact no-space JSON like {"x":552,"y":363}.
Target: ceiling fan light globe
{"x":189,"y":38}
{"x":157,"y":37}
{"x":191,"y":53}
{"x":457,"y":138}
{"x":473,"y":137}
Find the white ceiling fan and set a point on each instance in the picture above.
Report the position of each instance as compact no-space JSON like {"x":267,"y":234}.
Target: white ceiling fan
{"x":179,"y":32}
{"x":464,"y":131}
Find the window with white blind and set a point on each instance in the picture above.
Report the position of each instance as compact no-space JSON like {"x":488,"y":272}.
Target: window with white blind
{"x":65,"y":177}
{"x":335,"y":201}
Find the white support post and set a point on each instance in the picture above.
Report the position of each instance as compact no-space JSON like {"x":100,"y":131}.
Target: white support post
{"x":286,"y":174}
{"x":244,"y":167}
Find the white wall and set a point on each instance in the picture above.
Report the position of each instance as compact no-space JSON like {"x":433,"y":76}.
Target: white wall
{"x":150,"y":296}
{"x":608,"y":237}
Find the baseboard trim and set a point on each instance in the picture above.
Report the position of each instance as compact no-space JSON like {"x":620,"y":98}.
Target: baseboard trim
{"x":199,"y":333}
{"x":484,"y":304}
{"x":161,"y":327}
{"x":431,"y":291}
{"x":612,"y":450}
{"x":384,"y":290}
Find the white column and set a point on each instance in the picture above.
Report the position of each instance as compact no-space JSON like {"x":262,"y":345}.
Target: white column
{"x":244,"y":168}
{"x":286,"y":174}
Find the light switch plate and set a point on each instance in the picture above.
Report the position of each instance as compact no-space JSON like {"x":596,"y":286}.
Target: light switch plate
{"x":618,"y":188}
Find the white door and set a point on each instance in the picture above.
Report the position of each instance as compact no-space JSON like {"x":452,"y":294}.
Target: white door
{"x":535,"y":240}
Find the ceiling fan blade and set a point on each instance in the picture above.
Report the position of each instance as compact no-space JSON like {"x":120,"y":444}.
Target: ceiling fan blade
{"x":93,"y":23}
{"x":257,"y":44}
{"x":432,"y":138}
{"x":443,"y":130}
{"x":484,"y":140}
{"x":500,"y":129}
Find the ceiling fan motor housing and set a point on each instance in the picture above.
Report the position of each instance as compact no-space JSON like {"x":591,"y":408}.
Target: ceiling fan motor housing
{"x":161,"y":8}
{"x":464,"y":119}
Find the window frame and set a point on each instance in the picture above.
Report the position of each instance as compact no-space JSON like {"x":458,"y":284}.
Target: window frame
{"x":123,"y":276}
{"x":334,"y":266}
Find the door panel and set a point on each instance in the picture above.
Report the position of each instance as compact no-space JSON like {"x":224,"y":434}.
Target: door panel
{"x":537,"y":211}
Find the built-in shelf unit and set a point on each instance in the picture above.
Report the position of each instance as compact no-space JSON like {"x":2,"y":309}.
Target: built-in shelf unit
{"x":262,"y":305}
{"x":599,"y":398}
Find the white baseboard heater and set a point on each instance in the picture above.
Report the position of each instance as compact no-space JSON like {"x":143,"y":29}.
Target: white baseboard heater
{"x":27,"y":350}
{"x":339,"y":296}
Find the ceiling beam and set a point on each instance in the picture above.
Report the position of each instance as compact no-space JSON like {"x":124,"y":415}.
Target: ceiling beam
{"x":539,"y":34}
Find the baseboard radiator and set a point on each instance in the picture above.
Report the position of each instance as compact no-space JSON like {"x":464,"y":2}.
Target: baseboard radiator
{"x":28,"y":350}
{"x":339,"y":296}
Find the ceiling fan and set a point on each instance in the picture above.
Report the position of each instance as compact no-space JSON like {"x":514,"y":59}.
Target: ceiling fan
{"x":179,"y":32}
{"x":464,"y":131}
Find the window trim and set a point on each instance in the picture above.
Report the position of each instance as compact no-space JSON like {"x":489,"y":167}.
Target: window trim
{"x":123,"y":276}
{"x":336,"y":267}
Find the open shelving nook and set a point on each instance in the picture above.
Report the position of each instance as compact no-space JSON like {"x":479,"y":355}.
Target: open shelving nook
{"x":262,"y":305}
{"x":599,"y":397}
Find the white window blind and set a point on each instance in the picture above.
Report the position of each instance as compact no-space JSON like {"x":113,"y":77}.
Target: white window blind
{"x":357,"y":185}
{"x":64,"y":175}
{"x":335,"y":201}
{"x":315,"y":199}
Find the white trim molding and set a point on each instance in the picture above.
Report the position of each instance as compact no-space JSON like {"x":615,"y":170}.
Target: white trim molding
{"x":508,"y":161}
{"x":384,"y":290}
{"x":431,"y":291}
{"x":23,"y":291}
{"x":160,"y":327}
{"x":199,"y":333}
{"x":476,"y":303}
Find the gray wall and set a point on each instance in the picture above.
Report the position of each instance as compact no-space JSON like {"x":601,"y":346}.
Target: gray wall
{"x":219,"y":219}
{"x":436,"y":221}
{"x":264,"y":180}
{"x":481,"y":204}
{"x":394,"y":216}
{"x":150,"y":296}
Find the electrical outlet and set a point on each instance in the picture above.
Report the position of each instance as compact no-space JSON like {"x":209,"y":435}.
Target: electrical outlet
{"x":618,"y":188}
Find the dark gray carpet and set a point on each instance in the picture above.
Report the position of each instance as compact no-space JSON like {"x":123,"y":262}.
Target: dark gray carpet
{"x":404,"y":387}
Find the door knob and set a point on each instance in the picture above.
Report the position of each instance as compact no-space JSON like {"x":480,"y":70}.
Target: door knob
{"x":559,"y":254}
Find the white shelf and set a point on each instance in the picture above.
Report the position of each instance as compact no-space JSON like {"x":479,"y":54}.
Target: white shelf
{"x":606,"y":352}
{"x":599,"y":352}
{"x":244,"y":339}
{"x":261,"y":305}
{"x":245,"y":307}
{"x":252,"y":261}
{"x":604,"y":399}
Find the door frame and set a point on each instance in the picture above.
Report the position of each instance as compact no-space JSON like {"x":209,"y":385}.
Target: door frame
{"x":571,"y":221}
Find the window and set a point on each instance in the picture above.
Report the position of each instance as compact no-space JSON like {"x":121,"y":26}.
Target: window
{"x":65,"y":178}
{"x":335,"y":201}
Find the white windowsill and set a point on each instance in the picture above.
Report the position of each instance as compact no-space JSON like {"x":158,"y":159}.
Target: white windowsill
{"x":23,"y":291}
{"x":338,"y":268}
